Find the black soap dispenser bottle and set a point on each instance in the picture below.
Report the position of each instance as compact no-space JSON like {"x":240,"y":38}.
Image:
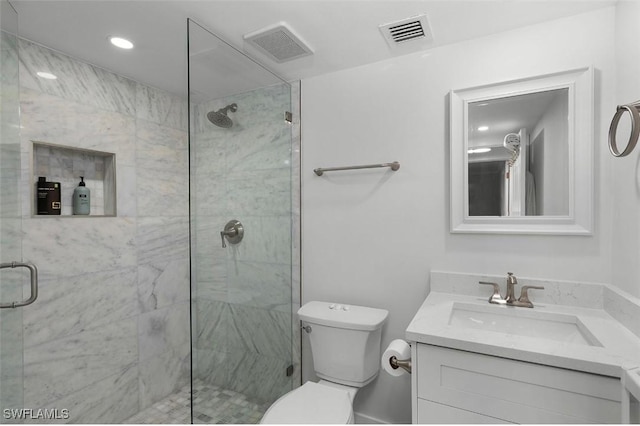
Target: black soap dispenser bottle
{"x":81,"y":199}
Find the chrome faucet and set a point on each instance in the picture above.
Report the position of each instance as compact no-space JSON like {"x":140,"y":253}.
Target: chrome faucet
{"x":511,"y":282}
{"x":510,"y":298}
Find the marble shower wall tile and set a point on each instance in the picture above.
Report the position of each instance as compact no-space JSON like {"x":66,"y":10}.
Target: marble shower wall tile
{"x":10,"y":174}
{"x":211,"y":275}
{"x":207,"y":235}
{"x":164,"y":330}
{"x":259,"y":150}
{"x":162,"y":175}
{"x":265,"y":191}
{"x":163,"y":284}
{"x":127,"y":204}
{"x":11,"y":234}
{"x":209,"y":270}
{"x":160,"y":239}
{"x":161,"y":193}
{"x":57,"y":368}
{"x":261,"y":285}
{"x":80,"y":303}
{"x":209,"y":153}
{"x":11,"y":373}
{"x":259,"y":331}
{"x":10,"y":140}
{"x":50,"y":119}
{"x":160,"y":147}
{"x":78,"y":81}
{"x":108,"y":401}
{"x":67,"y":247}
{"x":210,"y":367}
{"x":175,"y":368}
{"x":212,"y":319}
{"x":161,"y":107}
{"x":9,"y":58}
{"x":266,"y":239}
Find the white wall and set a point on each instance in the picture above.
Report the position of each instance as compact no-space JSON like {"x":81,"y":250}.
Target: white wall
{"x":626,"y":173}
{"x":371,"y":237}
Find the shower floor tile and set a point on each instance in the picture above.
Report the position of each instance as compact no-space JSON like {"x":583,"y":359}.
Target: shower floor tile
{"x":212,"y":405}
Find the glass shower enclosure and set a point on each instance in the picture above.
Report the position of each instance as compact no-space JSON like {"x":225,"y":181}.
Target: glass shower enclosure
{"x":242,"y":228}
{"x":11,"y":281}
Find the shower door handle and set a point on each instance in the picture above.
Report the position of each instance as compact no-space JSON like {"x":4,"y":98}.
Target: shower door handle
{"x":233,"y":231}
{"x":34,"y":284}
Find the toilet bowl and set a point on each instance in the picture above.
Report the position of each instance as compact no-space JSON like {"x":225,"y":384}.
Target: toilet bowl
{"x":312,"y":403}
{"x":345,"y":343}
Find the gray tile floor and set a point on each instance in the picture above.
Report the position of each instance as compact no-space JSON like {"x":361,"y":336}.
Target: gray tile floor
{"x":211,"y":405}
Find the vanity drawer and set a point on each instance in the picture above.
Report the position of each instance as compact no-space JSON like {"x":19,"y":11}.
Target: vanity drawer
{"x":515,"y":391}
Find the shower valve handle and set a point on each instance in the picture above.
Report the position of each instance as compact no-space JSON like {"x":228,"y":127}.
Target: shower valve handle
{"x":223,"y":234}
{"x":233,"y":231}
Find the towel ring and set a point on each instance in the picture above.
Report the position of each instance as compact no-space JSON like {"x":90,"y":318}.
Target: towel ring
{"x":634,"y":111}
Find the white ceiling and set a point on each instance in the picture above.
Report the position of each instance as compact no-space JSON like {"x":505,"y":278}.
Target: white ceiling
{"x":343,"y":34}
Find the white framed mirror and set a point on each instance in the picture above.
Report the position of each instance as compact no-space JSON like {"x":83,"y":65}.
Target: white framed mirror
{"x":522,"y":156}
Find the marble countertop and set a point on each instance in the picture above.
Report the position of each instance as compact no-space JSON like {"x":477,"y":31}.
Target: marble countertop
{"x":620,"y":348}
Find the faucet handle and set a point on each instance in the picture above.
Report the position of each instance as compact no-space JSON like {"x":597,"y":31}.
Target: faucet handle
{"x":524,"y":295}
{"x":495,"y":297}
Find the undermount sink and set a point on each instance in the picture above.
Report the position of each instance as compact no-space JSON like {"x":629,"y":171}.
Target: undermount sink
{"x":522,"y":322}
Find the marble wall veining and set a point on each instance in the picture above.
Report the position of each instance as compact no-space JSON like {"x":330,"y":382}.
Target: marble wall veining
{"x":246,"y":336}
{"x":109,"y":334}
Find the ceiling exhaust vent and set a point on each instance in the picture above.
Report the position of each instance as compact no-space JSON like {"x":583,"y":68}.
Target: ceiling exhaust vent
{"x":407,"y":30}
{"x":279,"y":43}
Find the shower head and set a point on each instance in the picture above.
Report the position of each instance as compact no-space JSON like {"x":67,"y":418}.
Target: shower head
{"x":220,"y":117}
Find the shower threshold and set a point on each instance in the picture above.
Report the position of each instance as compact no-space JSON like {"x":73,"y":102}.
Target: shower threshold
{"x":213,"y":405}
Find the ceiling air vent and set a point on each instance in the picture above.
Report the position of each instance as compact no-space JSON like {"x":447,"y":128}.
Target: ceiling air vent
{"x":279,"y":43}
{"x":406,"y":30}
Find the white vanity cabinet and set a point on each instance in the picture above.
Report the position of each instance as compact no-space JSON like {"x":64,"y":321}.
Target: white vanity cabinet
{"x":455,"y":386}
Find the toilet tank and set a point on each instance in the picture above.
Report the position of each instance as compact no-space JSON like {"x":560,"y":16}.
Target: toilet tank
{"x":345,"y":341}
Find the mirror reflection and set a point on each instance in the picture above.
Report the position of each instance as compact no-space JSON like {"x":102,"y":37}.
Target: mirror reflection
{"x":518,"y":155}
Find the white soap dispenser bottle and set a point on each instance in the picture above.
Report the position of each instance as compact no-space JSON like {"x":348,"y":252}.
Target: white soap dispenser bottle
{"x":81,"y":198}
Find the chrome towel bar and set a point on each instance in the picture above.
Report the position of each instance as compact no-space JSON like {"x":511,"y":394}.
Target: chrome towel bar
{"x":393,"y":166}
{"x":634,"y":112}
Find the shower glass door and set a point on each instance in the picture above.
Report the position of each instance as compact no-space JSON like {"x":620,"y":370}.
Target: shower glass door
{"x":11,"y":280}
{"x":240,"y":170}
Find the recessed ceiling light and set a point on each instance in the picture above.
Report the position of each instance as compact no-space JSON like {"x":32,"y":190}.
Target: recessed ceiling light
{"x":46,"y":75}
{"x":120,"y":42}
{"x":483,"y":128}
{"x":478,"y":150}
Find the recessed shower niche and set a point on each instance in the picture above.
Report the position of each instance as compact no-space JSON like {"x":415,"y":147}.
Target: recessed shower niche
{"x":65,"y":164}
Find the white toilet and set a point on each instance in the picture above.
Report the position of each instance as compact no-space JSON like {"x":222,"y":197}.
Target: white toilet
{"x":345,"y":343}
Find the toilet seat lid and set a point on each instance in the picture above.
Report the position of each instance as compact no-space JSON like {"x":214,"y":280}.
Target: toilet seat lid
{"x":311,"y":404}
